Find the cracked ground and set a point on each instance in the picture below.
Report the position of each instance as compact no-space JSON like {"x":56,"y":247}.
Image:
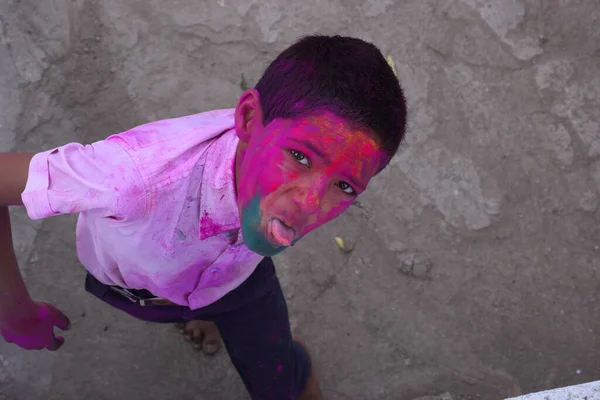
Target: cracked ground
{"x":475,"y":257}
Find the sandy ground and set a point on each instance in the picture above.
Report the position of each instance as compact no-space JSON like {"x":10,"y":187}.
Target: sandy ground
{"x":476,"y":253}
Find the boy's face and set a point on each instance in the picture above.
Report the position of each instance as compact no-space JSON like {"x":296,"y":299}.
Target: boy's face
{"x":293,"y":176}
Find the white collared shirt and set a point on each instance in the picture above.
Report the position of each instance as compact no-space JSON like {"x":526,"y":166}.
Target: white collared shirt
{"x":157,"y":204}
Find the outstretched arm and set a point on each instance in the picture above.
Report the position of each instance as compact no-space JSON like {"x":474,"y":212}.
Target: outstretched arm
{"x":22,"y":321}
{"x":13,"y":176}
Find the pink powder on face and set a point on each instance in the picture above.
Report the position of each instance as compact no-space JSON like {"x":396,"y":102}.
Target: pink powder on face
{"x":308,"y":193}
{"x":347,"y":146}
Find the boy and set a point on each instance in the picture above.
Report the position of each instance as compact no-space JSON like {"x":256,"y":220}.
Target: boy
{"x":178,"y":218}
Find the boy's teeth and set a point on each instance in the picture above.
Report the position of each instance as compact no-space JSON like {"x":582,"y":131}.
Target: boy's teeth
{"x":281,"y":233}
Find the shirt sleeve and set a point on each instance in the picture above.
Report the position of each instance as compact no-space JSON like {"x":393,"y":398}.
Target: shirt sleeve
{"x":99,"y":179}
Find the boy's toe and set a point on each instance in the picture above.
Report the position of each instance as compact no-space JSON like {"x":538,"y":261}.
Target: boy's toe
{"x":211,"y":339}
{"x":203,"y":334}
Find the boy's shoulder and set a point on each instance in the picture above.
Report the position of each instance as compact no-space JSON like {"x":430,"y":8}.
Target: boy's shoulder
{"x":170,"y":150}
{"x":109,"y":177}
{"x":167,"y":135}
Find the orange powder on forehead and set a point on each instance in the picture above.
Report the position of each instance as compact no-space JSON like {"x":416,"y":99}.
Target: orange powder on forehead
{"x":347,"y":148}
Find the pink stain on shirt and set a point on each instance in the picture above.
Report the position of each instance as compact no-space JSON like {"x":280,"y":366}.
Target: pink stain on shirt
{"x":208,"y":227}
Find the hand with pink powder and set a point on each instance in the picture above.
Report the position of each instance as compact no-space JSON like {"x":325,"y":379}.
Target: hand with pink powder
{"x":34,"y":330}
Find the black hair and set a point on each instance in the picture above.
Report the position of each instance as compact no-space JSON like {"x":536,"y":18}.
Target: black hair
{"x":343,"y":75}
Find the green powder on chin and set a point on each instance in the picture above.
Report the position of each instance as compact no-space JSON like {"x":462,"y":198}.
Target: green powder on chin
{"x":253,"y":237}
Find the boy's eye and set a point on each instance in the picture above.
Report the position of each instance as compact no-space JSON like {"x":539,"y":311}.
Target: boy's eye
{"x":346,"y":188}
{"x":301,"y":158}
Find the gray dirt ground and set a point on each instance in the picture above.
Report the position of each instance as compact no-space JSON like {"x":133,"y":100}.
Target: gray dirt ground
{"x":475,"y":268}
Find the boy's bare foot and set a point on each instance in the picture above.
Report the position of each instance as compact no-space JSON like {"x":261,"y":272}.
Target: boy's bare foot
{"x":203,"y":334}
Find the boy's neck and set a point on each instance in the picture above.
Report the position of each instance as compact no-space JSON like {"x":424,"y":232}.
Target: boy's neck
{"x":237,"y":167}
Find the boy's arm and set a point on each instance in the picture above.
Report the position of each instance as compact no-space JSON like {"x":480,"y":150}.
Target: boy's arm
{"x":24,"y":322}
{"x":14,"y":297}
{"x":100,"y":178}
{"x":14,"y":169}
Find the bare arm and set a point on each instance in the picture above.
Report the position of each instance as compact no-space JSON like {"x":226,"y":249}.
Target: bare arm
{"x":13,"y":177}
{"x":26,"y":323}
{"x":14,"y":169}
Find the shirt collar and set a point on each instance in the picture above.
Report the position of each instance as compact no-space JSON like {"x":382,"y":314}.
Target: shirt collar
{"x":218,"y":202}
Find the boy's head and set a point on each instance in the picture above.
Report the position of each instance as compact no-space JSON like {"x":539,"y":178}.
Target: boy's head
{"x":327,"y":115}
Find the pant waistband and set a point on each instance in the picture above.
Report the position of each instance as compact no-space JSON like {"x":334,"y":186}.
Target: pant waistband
{"x":142,"y":300}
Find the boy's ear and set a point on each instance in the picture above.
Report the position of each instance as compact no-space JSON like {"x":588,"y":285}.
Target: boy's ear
{"x":248,"y":114}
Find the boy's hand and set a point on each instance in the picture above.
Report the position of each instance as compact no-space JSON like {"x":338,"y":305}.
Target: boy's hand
{"x":35,"y":331}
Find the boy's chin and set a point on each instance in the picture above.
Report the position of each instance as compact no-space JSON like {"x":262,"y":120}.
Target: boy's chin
{"x":257,"y":242}
{"x":260,"y":245}
{"x":254,"y":235}
{"x":267,"y":252}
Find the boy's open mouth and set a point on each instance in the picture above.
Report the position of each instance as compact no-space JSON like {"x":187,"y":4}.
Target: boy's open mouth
{"x":280,"y":233}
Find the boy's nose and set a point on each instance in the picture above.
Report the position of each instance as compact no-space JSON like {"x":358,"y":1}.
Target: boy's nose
{"x":309,"y":199}
{"x":312,"y":203}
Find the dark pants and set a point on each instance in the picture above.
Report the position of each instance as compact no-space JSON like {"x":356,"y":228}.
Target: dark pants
{"x":254,"y":324}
